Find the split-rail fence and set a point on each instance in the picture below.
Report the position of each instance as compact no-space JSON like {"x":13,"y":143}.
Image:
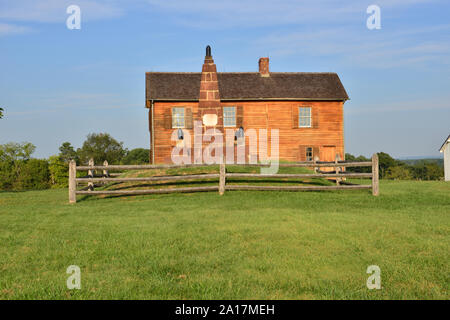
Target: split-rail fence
{"x":338,"y":173}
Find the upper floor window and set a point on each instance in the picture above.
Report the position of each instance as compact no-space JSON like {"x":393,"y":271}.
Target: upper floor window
{"x":229,"y":116}
{"x":304,"y":117}
{"x":178,"y":118}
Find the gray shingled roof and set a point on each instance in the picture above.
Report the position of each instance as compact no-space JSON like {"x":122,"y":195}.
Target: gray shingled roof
{"x":247,"y":86}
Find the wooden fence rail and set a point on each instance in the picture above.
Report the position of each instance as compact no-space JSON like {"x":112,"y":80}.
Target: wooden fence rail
{"x":339,"y":174}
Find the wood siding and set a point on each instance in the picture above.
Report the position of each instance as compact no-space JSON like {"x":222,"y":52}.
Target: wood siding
{"x":447,"y":162}
{"x":326,"y":131}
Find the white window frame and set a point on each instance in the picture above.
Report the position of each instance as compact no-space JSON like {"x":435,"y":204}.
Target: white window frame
{"x":304,"y":116}
{"x":178,"y":115}
{"x":225,"y":117}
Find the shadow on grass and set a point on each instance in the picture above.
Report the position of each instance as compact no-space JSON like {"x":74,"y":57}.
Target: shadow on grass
{"x":205,"y":182}
{"x":229,"y":181}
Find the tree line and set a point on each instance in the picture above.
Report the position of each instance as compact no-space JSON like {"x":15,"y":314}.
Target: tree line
{"x":394,"y":169}
{"x":19,"y":171}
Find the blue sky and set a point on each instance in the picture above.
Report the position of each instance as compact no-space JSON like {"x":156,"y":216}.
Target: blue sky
{"x":59,"y":85}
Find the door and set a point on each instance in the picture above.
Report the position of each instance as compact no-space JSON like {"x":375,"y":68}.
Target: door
{"x":328,"y":154}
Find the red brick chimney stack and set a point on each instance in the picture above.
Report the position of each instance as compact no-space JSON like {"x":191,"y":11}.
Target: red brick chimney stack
{"x":264,"y":67}
{"x":209,"y":100}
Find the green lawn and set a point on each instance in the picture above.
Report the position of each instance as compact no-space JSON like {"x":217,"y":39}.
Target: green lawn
{"x":243,"y":245}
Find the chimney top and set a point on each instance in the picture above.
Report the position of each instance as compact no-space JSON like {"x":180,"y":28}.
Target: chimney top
{"x":264,"y":67}
{"x":208,"y":51}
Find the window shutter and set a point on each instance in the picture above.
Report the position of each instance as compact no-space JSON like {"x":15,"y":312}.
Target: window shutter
{"x":295,"y":117}
{"x":302,"y":151}
{"x":188,"y":119}
{"x":239,"y":116}
{"x":315,"y":117}
{"x":316,"y":152}
{"x":168,"y":118}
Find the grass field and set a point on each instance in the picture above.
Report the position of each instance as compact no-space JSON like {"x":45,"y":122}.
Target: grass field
{"x":243,"y":245}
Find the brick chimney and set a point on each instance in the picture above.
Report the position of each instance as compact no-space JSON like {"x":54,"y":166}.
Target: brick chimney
{"x":264,"y":67}
{"x":209,"y":100}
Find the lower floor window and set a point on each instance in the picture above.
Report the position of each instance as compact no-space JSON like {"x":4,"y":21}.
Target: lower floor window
{"x":229,"y":116}
{"x":309,"y":154}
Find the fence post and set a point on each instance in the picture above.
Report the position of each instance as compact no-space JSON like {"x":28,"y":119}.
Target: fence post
{"x":222,"y":177}
{"x":91,"y":175}
{"x":337,"y":169}
{"x":72,"y":181}
{"x":316,"y":158}
{"x":375,"y":182}
{"x":105,"y":171}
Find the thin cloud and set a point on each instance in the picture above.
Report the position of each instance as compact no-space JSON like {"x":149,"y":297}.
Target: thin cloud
{"x":377,"y":49}
{"x":7,"y":29}
{"x":64,"y":109}
{"x":250,"y":13}
{"x":400,"y":106}
{"x":52,"y":11}
{"x":198,"y":13}
{"x":63,"y":102}
{"x":257,"y":13}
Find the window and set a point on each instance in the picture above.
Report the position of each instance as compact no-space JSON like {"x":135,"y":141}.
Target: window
{"x":180,"y":134}
{"x":309,"y":154}
{"x":229,"y":116}
{"x":177,"y":117}
{"x":304,"y":117}
{"x":239,"y":133}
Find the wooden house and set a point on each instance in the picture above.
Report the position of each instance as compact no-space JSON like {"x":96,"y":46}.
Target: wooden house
{"x":445,"y":149}
{"x":307,"y":108}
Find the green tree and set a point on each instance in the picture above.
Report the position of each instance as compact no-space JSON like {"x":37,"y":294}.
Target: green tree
{"x":137,"y":156}
{"x":18,"y":171}
{"x":100,"y":147}
{"x":59,"y":171}
{"x":67,"y":152}
{"x":12,"y":159}
{"x":427,"y":171}
{"x":32,"y":174}
{"x":7,"y":175}
{"x":385,"y":162}
{"x":352,"y":158}
{"x":399,"y":173}
{"x":1,"y":112}
{"x":14,"y":151}
{"x":434,"y":171}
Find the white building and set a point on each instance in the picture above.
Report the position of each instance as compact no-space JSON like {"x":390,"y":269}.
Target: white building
{"x":446,"y":150}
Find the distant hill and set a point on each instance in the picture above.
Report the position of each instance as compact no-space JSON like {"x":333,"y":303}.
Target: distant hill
{"x":439,"y":156}
{"x":438,"y":161}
